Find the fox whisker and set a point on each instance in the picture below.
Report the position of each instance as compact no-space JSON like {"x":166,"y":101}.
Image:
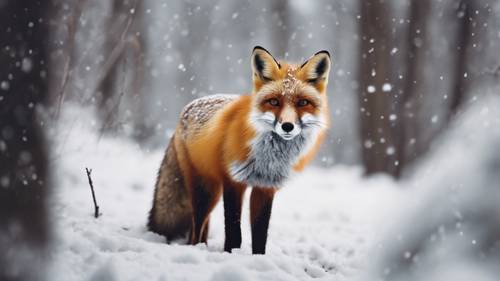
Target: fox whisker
{"x":265,"y":120}
{"x":317,"y":124}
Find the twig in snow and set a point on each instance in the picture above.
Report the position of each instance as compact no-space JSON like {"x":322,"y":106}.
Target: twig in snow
{"x":96,"y":208}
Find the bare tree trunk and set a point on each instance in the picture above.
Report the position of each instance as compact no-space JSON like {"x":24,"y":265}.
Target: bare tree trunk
{"x":466,"y":14}
{"x":409,"y":100}
{"x":378,"y":144}
{"x":111,"y":86}
{"x":23,"y":162}
{"x":471,"y":42}
{"x":68,"y":53}
{"x":140,"y":91}
{"x":281,"y":26}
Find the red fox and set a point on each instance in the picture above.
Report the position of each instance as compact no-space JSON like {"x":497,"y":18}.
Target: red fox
{"x":225,"y":143}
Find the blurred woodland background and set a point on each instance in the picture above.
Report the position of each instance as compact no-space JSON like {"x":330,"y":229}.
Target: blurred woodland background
{"x":402,"y":70}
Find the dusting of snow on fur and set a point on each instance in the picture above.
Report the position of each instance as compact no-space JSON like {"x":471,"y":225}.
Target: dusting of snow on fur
{"x":199,"y":111}
{"x":290,"y":82}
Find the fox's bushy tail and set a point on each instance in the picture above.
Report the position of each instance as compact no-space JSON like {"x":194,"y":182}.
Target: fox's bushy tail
{"x":171,"y":211}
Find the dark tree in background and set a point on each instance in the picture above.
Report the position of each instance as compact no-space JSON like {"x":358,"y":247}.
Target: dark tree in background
{"x":472,"y":16}
{"x":395,"y":128}
{"x":143,"y":127}
{"x":375,"y":80}
{"x":408,"y":102}
{"x":121,"y":74}
{"x":465,"y":14}
{"x":68,"y":53}
{"x":281,"y":21}
{"x":23,"y":162}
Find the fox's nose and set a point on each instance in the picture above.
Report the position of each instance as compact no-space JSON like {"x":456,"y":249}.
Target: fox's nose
{"x":287,"y":127}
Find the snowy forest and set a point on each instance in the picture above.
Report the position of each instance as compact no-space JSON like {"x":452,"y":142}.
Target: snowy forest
{"x":406,"y":185}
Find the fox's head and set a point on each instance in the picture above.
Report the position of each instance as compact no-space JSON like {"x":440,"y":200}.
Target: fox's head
{"x":289,"y":99}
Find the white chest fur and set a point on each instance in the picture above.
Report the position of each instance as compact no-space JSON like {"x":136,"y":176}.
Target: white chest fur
{"x":270,"y":161}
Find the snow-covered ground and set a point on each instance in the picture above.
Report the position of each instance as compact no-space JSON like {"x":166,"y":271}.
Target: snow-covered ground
{"x":323,"y":225}
{"x":442,"y":223}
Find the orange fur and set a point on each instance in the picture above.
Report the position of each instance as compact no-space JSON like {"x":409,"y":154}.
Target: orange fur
{"x":225,"y":139}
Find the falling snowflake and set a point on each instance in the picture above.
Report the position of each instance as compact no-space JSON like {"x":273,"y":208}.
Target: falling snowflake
{"x":4,"y":85}
{"x":27,"y":65}
{"x":5,"y":181}
{"x":386,"y":87}
{"x":368,"y":144}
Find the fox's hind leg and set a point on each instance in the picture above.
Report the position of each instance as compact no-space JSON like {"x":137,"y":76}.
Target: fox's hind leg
{"x":204,"y":197}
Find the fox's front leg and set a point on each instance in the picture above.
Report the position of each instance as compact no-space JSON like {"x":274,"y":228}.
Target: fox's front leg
{"x":261,"y":203}
{"x":233,"y":199}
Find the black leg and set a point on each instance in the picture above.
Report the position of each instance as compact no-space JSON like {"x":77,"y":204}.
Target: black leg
{"x":204,"y":197}
{"x":261,"y":203}
{"x":233,"y":199}
{"x":200,"y":213}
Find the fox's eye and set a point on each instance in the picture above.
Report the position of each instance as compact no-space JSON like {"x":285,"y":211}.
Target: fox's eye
{"x":302,"y":102}
{"x":273,"y":102}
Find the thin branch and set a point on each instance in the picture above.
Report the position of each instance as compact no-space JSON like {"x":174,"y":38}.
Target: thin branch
{"x":96,"y":208}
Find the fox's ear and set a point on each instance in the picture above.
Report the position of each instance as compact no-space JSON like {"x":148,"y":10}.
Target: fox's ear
{"x":264,"y":67}
{"x":315,"y":70}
